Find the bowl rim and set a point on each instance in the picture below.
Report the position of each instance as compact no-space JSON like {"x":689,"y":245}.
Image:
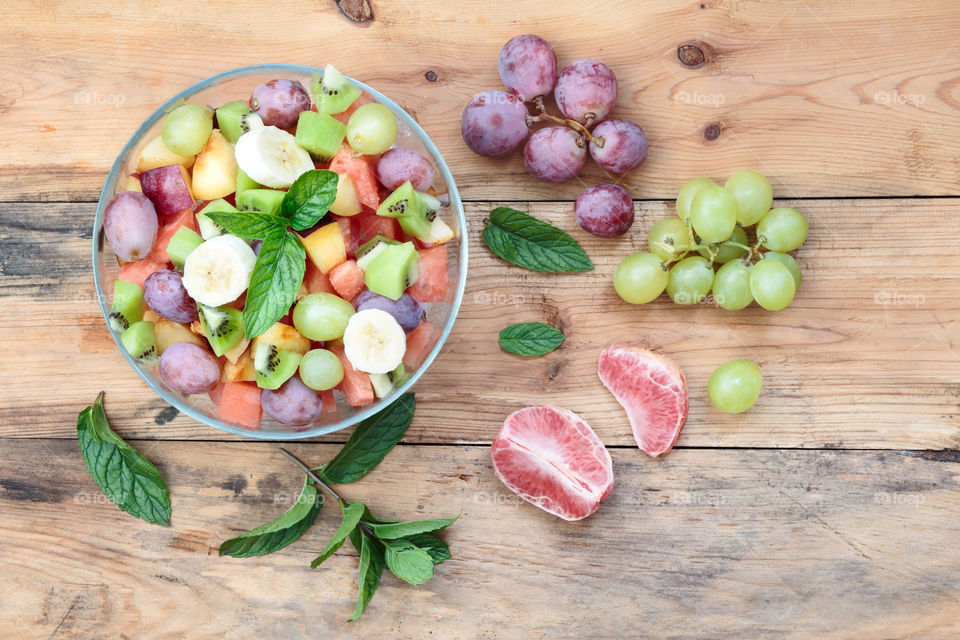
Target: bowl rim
{"x":174,"y":399}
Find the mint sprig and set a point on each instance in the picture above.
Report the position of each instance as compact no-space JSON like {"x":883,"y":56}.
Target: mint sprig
{"x":282,"y":531}
{"x":276,"y":279}
{"x":530,"y":339}
{"x":309,"y":198}
{"x":249,"y":224}
{"x":523,"y":240}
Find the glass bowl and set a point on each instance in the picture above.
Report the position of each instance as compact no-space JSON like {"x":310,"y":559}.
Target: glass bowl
{"x":238,"y":84}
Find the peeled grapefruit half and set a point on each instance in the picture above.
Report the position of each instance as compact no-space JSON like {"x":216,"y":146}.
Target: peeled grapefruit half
{"x":551,"y":458}
{"x":652,"y":390}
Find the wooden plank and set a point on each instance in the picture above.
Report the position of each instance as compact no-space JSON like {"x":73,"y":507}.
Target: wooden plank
{"x":704,"y":543}
{"x":856,"y":98}
{"x":865,"y":357}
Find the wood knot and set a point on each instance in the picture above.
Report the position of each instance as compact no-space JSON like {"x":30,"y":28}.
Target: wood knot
{"x":358,"y":11}
{"x":692,"y":55}
{"x":431,"y":76}
{"x":712,"y":131}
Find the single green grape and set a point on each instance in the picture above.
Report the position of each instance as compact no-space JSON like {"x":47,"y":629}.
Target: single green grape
{"x":186,"y":129}
{"x":753,"y":194}
{"x":685,"y":197}
{"x":788,"y":261}
{"x":713,"y":214}
{"x":731,"y":286}
{"x":671,"y":232}
{"x":735,"y":386}
{"x":724,"y":253}
{"x":690,"y":280}
{"x":321,"y":369}
{"x":322,"y":316}
{"x":782,"y":229}
{"x":640,"y":277}
{"x":371,"y":129}
{"x":772,"y":284}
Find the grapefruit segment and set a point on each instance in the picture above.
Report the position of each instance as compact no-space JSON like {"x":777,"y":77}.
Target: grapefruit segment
{"x":551,"y":458}
{"x":652,"y":390}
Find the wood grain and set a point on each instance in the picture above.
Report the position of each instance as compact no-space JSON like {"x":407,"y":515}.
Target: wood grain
{"x":865,"y":357}
{"x":828,"y":99}
{"x":700,"y":544}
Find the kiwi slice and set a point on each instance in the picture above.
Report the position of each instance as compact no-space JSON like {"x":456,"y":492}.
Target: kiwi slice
{"x":208,"y":228}
{"x":223,"y":327}
{"x":384,"y":383}
{"x":402,"y":201}
{"x":321,"y":134}
{"x":399,"y":375}
{"x":128,"y":305}
{"x":245,"y":182}
{"x":263,"y":200}
{"x":230,"y":119}
{"x":333,"y":93}
{"x":393,"y":270}
{"x":182,"y":244}
{"x":414,"y":210}
{"x":370,"y":249}
{"x":140,"y":341}
{"x":274,"y":366}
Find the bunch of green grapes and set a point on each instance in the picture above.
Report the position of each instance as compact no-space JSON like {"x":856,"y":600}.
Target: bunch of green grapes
{"x":726,"y":241}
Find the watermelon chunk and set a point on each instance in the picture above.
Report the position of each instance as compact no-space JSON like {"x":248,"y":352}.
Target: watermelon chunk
{"x":329,"y":401}
{"x":347,"y":279}
{"x":366,"y":226}
{"x":137,"y":272}
{"x":355,"y":385}
{"x":363,"y":171}
{"x":418,"y":344}
{"x":315,"y":281}
{"x":216,"y":393}
{"x":184,"y":218}
{"x":434,"y":276}
{"x":240,"y":405}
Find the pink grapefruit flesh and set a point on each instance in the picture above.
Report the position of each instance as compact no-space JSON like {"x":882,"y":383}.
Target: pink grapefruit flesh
{"x":551,"y":458}
{"x":652,"y":390}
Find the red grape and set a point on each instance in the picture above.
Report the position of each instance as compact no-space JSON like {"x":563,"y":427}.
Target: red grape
{"x":400,"y":164}
{"x":624,"y":145}
{"x":528,"y":66}
{"x":130,"y":224}
{"x":494,"y":123}
{"x":189,"y":368}
{"x":279,"y":102}
{"x":553,"y":154}
{"x":586,"y":88}
{"x":166,"y":296}
{"x":294,"y":403}
{"x":605,"y":210}
{"x":405,"y":310}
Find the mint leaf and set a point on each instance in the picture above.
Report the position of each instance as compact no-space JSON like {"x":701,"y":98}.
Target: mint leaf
{"x":276,"y":279}
{"x":523,"y":240}
{"x":402,"y":529}
{"x":309,"y":198}
{"x":434,"y":546}
{"x":407,"y":561}
{"x":248,"y":224}
{"x":351,"y":518}
{"x":370,"y":442}
{"x":128,"y":479}
{"x":530,"y":339}
{"x":371,"y":568}
{"x":278,"y":533}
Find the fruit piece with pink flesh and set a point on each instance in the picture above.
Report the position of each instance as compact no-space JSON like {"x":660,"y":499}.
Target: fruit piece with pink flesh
{"x":169,"y":188}
{"x":652,"y":390}
{"x":551,"y":458}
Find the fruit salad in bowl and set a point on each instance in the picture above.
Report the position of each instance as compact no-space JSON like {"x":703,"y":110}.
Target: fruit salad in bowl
{"x":280,"y":251}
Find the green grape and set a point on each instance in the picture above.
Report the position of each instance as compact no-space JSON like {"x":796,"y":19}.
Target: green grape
{"x":787,"y":260}
{"x":668,"y":231}
{"x":782,"y":229}
{"x":640,"y":277}
{"x":771,"y":284}
{"x":371,"y":129}
{"x":724,"y":253}
{"x":690,"y":280}
{"x":735,"y":386}
{"x":685,"y":197}
{"x":321,"y":369}
{"x":186,"y":129}
{"x":753,"y":194}
{"x":322,"y":316}
{"x":713,"y":214}
{"x":731,"y":286}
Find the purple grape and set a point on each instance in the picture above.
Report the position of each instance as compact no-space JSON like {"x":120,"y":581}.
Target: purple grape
{"x":294,"y":403}
{"x":405,"y":310}
{"x":554,"y":154}
{"x":164,"y":293}
{"x":605,"y":210}
{"x":130,"y":223}
{"x":256,"y":244}
{"x":528,"y":66}
{"x":494,"y":123}
{"x":189,"y":368}
{"x":279,"y":102}
{"x":398,"y":165}
{"x":624,"y":145}
{"x":586,"y":90}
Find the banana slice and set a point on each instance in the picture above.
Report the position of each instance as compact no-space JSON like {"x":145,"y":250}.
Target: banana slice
{"x":219,"y":270}
{"x":271,"y":157}
{"x":374,"y":342}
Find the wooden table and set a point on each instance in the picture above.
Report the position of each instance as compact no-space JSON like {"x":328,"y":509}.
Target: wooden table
{"x":827,"y":511}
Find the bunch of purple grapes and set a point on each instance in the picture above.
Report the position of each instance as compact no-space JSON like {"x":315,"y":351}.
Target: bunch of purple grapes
{"x":495,"y":123}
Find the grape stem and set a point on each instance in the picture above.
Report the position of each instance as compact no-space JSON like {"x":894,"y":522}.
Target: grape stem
{"x":573,"y":124}
{"x":320,"y":483}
